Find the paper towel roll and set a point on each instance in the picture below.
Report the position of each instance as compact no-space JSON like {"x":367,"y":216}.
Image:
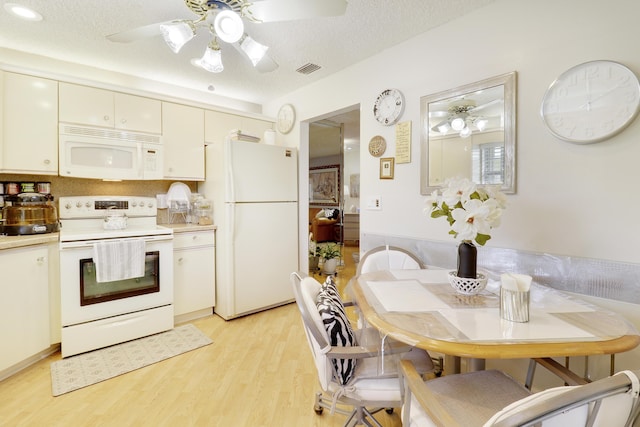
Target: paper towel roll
{"x":269,"y":137}
{"x":161,"y":201}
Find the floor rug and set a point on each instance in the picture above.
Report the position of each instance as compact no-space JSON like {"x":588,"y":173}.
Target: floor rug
{"x":90,"y":368}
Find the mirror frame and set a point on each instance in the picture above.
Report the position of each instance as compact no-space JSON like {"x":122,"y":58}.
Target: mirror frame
{"x":509,"y":82}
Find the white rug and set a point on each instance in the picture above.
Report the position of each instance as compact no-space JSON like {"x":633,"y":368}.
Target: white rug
{"x":90,"y":368}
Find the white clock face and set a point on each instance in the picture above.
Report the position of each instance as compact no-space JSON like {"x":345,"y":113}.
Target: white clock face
{"x":591,"y":102}
{"x":388,"y":107}
{"x":286,"y":118}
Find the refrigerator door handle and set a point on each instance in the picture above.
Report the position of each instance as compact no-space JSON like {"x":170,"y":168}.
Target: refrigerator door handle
{"x":231,"y":191}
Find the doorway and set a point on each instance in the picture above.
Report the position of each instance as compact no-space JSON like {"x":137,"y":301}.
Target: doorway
{"x":334,"y":149}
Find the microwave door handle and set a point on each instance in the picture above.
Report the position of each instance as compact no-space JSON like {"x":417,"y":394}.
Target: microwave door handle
{"x":141,"y":153}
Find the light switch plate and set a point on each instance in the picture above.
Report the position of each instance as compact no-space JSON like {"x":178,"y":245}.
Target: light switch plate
{"x":374,"y":203}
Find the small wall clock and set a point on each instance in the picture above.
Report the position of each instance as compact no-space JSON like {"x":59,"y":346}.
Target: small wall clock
{"x":591,"y":102}
{"x":286,"y":118}
{"x":388,"y":106}
{"x":377,"y":146}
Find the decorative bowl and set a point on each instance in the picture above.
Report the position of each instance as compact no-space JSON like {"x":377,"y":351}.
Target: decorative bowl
{"x":467,"y":286}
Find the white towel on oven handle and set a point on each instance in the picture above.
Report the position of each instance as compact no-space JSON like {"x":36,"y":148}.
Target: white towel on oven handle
{"x":119,"y":259}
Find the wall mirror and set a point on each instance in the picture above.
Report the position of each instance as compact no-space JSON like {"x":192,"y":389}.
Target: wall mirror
{"x":470,"y":132}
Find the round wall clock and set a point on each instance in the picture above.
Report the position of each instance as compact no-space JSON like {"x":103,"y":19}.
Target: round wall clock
{"x":388,"y":106}
{"x":591,"y":102}
{"x":377,"y":146}
{"x":286,"y":118}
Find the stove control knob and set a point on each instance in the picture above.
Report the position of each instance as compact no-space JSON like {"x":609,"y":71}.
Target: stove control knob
{"x":78,"y":204}
{"x":88,"y":204}
{"x":134,"y":203}
{"x":150,"y":204}
{"x":67,"y":205}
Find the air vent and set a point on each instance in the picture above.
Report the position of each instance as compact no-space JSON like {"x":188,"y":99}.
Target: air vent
{"x":308,"y":68}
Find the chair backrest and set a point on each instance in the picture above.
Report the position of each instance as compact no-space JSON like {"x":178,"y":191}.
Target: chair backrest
{"x":609,"y":402}
{"x":305,"y":291}
{"x":388,"y":258}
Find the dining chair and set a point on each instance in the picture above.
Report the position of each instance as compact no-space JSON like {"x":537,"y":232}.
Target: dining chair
{"x":493,"y":399}
{"x":388,"y":258}
{"x":354,"y":368}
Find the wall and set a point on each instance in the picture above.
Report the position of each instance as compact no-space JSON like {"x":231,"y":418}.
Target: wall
{"x":571,"y":200}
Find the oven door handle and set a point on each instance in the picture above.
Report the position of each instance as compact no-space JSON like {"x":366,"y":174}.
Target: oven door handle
{"x":91,"y":243}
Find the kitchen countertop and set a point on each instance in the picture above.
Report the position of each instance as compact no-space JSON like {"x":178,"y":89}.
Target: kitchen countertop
{"x":185,"y":228}
{"x":9,"y":242}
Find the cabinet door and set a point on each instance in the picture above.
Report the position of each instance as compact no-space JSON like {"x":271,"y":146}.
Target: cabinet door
{"x":217,"y":125}
{"x":137,"y":113}
{"x":183,"y":141}
{"x":24,"y":306}
{"x":193,"y":280}
{"x":30,"y":142}
{"x":86,"y":105}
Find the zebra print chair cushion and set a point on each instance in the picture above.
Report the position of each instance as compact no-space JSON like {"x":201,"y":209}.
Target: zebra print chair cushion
{"x":336,"y":323}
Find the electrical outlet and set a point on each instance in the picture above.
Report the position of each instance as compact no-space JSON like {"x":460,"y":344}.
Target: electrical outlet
{"x":374,"y":203}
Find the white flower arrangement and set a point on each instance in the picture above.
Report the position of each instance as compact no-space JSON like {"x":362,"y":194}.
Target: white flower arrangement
{"x":472,"y":211}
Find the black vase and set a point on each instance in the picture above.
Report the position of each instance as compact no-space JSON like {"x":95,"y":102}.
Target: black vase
{"x":467,"y":259}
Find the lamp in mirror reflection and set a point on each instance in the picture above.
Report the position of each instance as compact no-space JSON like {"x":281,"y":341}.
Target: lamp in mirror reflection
{"x":459,"y":119}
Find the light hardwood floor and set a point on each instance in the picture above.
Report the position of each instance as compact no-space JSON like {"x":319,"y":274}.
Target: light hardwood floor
{"x":257,"y":372}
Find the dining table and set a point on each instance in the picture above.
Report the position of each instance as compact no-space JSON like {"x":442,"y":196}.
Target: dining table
{"x":420,"y":308}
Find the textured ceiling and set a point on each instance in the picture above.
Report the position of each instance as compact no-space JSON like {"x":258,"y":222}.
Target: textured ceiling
{"x":75,"y":30}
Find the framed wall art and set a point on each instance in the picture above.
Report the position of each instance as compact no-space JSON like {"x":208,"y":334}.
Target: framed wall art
{"x":386,"y":167}
{"x":324,"y":185}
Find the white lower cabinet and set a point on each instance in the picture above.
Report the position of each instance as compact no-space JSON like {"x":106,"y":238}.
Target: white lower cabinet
{"x":24,"y":306}
{"x":194,"y":274}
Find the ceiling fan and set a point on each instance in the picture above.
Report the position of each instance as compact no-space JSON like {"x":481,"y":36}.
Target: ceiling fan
{"x":463,"y":116}
{"x":224,"y":21}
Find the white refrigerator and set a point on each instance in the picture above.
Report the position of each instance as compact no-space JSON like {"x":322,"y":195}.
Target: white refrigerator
{"x":254,"y":189}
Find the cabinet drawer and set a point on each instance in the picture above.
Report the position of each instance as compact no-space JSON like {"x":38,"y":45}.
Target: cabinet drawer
{"x":188,"y":240}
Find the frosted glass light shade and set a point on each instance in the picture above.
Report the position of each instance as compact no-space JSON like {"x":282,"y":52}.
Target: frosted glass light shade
{"x":211,"y":60}
{"x":176,"y":34}
{"x":254,"y":50}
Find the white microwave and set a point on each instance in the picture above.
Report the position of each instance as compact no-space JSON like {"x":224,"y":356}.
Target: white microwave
{"x":90,"y":152}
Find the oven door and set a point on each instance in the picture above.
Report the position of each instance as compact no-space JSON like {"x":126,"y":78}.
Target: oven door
{"x":83,"y":299}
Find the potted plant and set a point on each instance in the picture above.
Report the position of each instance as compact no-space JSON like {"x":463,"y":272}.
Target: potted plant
{"x":330,"y":253}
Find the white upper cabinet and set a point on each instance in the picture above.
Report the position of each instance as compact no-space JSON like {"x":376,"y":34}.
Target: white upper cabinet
{"x":29,"y":125}
{"x":99,"y":107}
{"x":217,"y":125}
{"x":183,"y":141}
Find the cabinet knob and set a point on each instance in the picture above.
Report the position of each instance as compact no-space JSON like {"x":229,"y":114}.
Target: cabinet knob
{"x":47,"y":161}
{"x":123,"y":121}
{"x":106,"y":118}
{"x":180,"y":260}
{"x":40,"y":260}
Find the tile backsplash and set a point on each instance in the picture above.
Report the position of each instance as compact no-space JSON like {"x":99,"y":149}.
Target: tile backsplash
{"x":61,"y":186}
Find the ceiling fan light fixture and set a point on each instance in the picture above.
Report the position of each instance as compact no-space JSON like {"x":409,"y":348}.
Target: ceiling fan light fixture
{"x":254,"y":50}
{"x":465,"y":132}
{"x":177,"y":33}
{"x":228,"y":26}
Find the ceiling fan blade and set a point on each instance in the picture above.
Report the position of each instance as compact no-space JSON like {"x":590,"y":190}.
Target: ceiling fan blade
{"x":134,"y":34}
{"x":266,"y":64}
{"x":288,"y":10}
{"x":486,"y":104}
